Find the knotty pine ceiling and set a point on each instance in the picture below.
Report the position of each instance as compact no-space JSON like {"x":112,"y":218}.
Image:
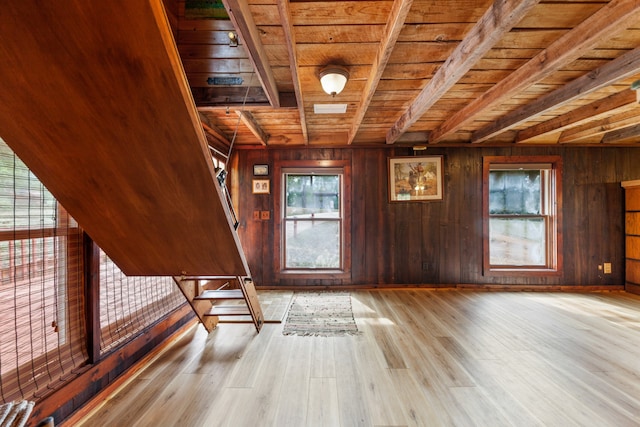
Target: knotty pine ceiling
{"x":422,"y":72}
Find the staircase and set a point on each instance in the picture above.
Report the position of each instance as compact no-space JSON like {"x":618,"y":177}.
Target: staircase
{"x":218,"y":299}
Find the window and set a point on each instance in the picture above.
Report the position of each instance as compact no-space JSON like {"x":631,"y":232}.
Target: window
{"x":313,"y":228}
{"x":522,"y":214}
{"x":41,"y":294}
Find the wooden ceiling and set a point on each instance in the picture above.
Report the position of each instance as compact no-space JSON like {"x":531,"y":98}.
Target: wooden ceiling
{"x":422,"y":72}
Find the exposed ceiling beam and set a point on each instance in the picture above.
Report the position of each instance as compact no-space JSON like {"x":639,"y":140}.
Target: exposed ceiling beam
{"x":240,"y":14}
{"x":621,"y":134}
{"x":622,"y":67}
{"x":213,"y":130}
{"x":216,"y":134}
{"x":598,"y":127}
{"x":497,"y":20}
{"x":614,"y":16}
{"x":621,"y":100}
{"x":290,"y":39}
{"x":392,"y":30}
{"x":251,"y":123}
{"x":216,"y":148}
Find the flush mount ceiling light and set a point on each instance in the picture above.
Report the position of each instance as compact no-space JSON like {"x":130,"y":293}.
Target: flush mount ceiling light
{"x":333,"y":78}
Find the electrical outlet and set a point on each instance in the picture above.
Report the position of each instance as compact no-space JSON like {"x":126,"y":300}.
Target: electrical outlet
{"x":607,"y":268}
{"x":265,"y":215}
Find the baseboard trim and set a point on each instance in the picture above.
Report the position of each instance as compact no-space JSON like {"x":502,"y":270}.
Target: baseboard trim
{"x":466,"y":286}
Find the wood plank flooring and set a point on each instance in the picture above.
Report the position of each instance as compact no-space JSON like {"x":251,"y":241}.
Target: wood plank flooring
{"x":423,"y":358}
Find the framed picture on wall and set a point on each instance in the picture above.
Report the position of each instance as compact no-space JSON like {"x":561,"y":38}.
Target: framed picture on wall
{"x":260,"y":186}
{"x":415,"y":179}
{"x":261,"y":170}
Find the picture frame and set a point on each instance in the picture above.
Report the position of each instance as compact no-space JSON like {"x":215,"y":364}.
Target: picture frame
{"x":260,"y":170}
{"x":260,"y":186}
{"x":415,"y":178}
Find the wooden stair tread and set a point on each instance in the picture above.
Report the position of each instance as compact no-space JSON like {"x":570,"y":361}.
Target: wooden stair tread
{"x":228,"y":310}
{"x":220,"y":294}
{"x":222,"y":303}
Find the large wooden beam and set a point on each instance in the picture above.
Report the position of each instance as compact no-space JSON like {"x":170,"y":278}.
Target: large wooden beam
{"x":622,"y":67}
{"x":240,"y":14}
{"x":609,"y":105}
{"x":287,"y":26}
{"x":599,"y":127}
{"x":217,"y":134}
{"x":621,"y":135}
{"x":616,"y":15}
{"x":251,"y":123}
{"x":498,"y":19}
{"x":392,"y":30}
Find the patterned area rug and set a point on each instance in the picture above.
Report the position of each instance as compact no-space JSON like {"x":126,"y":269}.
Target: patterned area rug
{"x":321,"y":314}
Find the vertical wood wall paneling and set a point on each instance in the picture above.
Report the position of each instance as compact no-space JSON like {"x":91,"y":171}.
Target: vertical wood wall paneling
{"x":440,"y":243}
{"x":576,"y":218}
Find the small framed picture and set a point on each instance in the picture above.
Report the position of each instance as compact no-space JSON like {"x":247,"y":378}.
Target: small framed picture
{"x":261,"y":170}
{"x":260,"y":186}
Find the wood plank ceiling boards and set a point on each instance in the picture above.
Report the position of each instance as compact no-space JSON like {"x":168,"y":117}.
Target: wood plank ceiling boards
{"x":451,"y":72}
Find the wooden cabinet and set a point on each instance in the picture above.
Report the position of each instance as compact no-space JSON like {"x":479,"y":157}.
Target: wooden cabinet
{"x":632,"y":235}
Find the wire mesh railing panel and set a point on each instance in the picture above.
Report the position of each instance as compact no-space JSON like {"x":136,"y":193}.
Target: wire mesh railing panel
{"x":129,"y":304}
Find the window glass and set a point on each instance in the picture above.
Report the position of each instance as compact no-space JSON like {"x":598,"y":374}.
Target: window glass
{"x":24,"y":202}
{"x":517,"y":241}
{"x":312,"y":221}
{"x":521,"y":214}
{"x":313,"y":244}
{"x":515,"y":192}
{"x":317,"y":195}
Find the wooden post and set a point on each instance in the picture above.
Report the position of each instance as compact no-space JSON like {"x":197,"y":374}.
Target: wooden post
{"x":91,"y":268}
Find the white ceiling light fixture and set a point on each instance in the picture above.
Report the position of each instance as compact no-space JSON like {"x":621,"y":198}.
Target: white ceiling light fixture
{"x":333,"y":78}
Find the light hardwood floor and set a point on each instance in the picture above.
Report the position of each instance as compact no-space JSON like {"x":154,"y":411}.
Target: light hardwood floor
{"x":423,"y":358}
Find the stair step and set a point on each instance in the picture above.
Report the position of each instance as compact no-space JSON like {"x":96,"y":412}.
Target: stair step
{"x":228,"y":310}
{"x":220,"y":294}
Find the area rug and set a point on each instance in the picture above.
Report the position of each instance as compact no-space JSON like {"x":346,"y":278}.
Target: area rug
{"x":322,"y":314}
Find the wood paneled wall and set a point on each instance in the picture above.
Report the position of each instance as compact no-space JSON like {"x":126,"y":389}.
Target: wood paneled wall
{"x":440,"y":243}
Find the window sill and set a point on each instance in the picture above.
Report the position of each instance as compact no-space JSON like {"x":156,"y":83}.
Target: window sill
{"x":529,"y":272}
{"x":314,"y":274}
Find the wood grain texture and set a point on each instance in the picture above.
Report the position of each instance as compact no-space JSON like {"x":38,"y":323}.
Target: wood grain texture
{"x":595,"y":40}
{"x":469,"y":359}
{"x":632,"y":199}
{"x":390,"y":35}
{"x":616,"y":15}
{"x":114,"y":134}
{"x":243,"y":21}
{"x":632,"y":236}
{"x":621,"y":100}
{"x":498,"y":19}
{"x":290,"y":39}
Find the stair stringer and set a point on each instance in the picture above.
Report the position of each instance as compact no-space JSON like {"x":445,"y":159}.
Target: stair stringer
{"x":191,"y":289}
